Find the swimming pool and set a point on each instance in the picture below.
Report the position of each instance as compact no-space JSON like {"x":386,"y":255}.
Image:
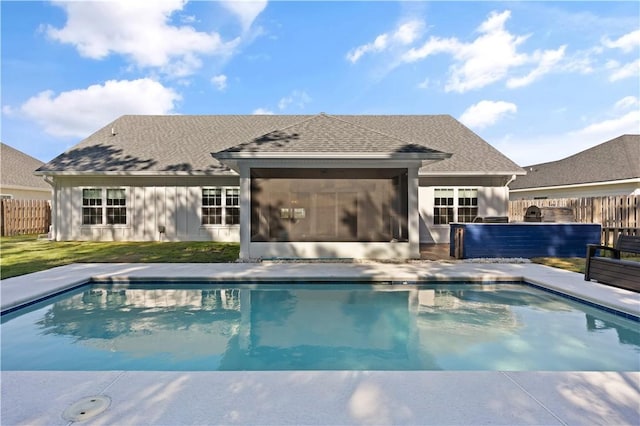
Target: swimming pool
{"x":340,"y":326}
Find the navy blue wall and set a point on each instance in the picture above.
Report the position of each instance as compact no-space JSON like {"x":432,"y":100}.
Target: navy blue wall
{"x":525,"y":239}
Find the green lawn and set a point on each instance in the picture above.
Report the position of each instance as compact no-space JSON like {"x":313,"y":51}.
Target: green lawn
{"x":26,"y":254}
{"x":575,"y":264}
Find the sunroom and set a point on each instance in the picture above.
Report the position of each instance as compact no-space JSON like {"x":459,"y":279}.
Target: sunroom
{"x":326,"y":188}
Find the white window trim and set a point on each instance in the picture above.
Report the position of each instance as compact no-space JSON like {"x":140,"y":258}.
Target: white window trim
{"x":223,"y":206}
{"x":455,"y":205}
{"x":103,"y":195}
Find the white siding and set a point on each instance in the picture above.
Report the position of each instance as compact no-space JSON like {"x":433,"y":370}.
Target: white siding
{"x":173,"y":202}
{"x":493,"y":200}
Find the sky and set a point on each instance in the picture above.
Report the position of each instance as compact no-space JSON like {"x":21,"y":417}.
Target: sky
{"x":539,"y":81}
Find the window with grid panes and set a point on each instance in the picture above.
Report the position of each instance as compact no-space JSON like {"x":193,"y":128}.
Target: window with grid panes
{"x":212,"y":206}
{"x":116,"y":207}
{"x":100,"y":206}
{"x":232,"y":206}
{"x":92,"y":206}
{"x":443,"y":206}
{"x":221,"y":206}
{"x":467,"y":204}
{"x":454,"y":205}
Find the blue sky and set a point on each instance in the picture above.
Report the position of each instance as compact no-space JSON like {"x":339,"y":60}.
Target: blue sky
{"x":538,"y":80}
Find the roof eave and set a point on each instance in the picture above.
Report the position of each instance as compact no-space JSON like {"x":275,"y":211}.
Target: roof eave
{"x":577,"y":185}
{"x":331,"y":155}
{"x":474,"y":173}
{"x":145,"y":173}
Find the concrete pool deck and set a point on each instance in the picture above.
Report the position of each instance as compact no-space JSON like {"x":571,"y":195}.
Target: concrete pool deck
{"x":323,"y":397}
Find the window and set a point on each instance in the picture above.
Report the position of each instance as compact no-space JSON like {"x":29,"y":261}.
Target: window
{"x":111,"y":210}
{"x":443,"y":206}
{"x":447,"y":207}
{"x":232,"y":202}
{"x":211,"y":206}
{"x":220,"y":206}
{"x":467,"y":205}
{"x":116,"y":207}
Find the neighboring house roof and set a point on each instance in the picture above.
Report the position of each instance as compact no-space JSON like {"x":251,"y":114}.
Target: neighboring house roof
{"x":184,"y":143}
{"x":16,"y":170}
{"x":614,"y":160}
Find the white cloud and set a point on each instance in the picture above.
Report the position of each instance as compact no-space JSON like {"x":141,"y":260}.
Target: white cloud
{"x":433,"y":46}
{"x":262,"y":111}
{"x":604,"y":130}
{"x":525,"y":150}
{"x":78,"y":113}
{"x":486,"y":113}
{"x":547,"y":61}
{"x":139,"y":30}
{"x":424,"y":84}
{"x":626,"y":43}
{"x":491,"y":57}
{"x":632,"y":69}
{"x":405,"y":34}
{"x":627,"y":103}
{"x":245,"y":10}
{"x":298,"y":98}
{"x":219,"y":81}
{"x":408,"y":32}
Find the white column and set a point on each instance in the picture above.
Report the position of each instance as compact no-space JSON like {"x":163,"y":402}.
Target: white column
{"x":245,"y":211}
{"x":414,"y":214}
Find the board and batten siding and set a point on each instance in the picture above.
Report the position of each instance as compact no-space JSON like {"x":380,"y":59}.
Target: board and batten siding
{"x":174,"y":203}
{"x":493,"y":200}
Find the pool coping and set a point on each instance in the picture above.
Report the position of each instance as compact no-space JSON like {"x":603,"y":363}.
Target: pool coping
{"x":324,"y":397}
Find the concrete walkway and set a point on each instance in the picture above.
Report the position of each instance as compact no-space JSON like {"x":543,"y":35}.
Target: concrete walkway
{"x":323,"y":397}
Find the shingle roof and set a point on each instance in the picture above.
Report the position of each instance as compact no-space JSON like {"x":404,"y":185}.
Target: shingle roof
{"x":613,"y":160}
{"x":184,"y":143}
{"x":328,"y":134}
{"x":17,"y":169}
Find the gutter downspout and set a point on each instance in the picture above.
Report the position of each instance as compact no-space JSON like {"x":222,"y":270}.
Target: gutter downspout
{"x":506,"y":185}
{"x":54,"y":209}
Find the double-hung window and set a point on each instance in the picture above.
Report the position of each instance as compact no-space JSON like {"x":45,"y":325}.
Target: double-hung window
{"x":104,"y":206}
{"x":220,"y":206}
{"x":454,"y":205}
{"x":443,"y":206}
{"x":467,"y":204}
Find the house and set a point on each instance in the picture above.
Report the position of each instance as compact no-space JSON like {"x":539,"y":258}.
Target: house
{"x":356,"y":186}
{"x":17,"y":180}
{"x":611,"y":168}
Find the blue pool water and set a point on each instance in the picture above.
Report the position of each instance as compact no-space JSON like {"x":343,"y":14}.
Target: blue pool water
{"x":508,"y":327}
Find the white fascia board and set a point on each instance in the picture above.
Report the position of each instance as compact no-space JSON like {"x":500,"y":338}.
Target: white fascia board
{"x":329,"y":156}
{"x":141,"y":173}
{"x":578,"y":185}
{"x":478,"y":173}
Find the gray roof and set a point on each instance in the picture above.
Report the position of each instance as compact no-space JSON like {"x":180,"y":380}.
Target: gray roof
{"x":17,"y":169}
{"x":184,"y":143}
{"x":328,"y":134}
{"x":613,"y":160}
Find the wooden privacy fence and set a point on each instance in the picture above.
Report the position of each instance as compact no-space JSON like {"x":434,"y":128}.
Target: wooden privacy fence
{"x":18,"y":217}
{"x":617,"y":214}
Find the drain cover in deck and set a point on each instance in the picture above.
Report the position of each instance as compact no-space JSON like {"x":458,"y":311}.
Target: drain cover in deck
{"x":86,"y":408}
